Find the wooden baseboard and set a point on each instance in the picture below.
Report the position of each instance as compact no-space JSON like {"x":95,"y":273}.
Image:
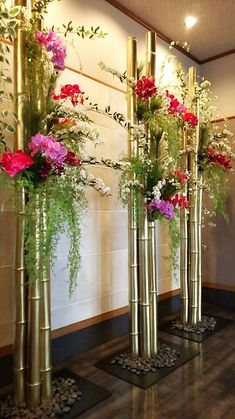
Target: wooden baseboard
{"x":218,"y":286}
{"x":6,"y":350}
{"x":89,"y":322}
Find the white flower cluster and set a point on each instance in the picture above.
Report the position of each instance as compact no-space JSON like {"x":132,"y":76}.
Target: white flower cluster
{"x":221,"y":141}
{"x":128,"y":186}
{"x":97,"y":183}
{"x":223,"y":134}
{"x":156,"y":192}
{"x":85,"y":130}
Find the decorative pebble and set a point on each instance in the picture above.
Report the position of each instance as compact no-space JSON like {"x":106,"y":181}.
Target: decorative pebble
{"x":208,"y":323}
{"x":166,"y":358}
{"x":65,"y":394}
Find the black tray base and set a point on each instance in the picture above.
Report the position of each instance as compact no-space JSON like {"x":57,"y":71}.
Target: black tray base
{"x":91,"y":394}
{"x":196,"y":337}
{"x":147,"y":380}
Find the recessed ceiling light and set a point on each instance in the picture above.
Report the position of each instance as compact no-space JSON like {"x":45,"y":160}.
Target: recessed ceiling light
{"x":190,"y":21}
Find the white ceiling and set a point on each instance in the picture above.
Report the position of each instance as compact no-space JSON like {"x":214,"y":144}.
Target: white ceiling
{"x":214,"y":33}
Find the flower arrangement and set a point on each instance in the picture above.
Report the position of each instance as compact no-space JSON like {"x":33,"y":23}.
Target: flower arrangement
{"x":154,"y":174}
{"x":215,"y":154}
{"x":50,"y":166}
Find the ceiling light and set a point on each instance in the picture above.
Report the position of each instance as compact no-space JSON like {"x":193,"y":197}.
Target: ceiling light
{"x":190,"y":21}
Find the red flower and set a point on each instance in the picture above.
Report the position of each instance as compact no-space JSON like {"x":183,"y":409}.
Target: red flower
{"x":66,"y":121}
{"x":72,"y":159}
{"x":175,"y":106}
{"x":13,"y":163}
{"x":145,"y":87}
{"x":181,"y":177}
{"x":190,"y":118}
{"x":179,"y":201}
{"x":221,"y":159}
{"x":71,"y":91}
{"x":55,"y":97}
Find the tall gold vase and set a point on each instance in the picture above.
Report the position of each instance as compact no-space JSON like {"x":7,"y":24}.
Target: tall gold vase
{"x":184,"y":238}
{"x":150,"y":70}
{"x":193,"y":215}
{"x":33,"y":344}
{"x":190,"y":247}
{"x":132,"y":221}
{"x":45,"y":314}
{"x":20,"y":287}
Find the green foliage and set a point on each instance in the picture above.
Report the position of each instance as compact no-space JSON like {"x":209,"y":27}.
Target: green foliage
{"x":64,"y":203}
{"x":40,"y":7}
{"x":217,"y":189}
{"x":82,"y":31}
{"x":8,"y":23}
{"x":174,"y":233}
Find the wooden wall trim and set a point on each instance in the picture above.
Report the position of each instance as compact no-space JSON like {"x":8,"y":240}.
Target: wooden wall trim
{"x":146,"y":25}
{"x":223,"y":119}
{"x":169,"y":294}
{"x":111,"y":86}
{"x":217,"y":57}
{"x":214,"y":285}
{"x":89,"y":322}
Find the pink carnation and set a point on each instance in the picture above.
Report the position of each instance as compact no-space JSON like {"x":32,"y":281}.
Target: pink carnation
{"x":13,"y":163}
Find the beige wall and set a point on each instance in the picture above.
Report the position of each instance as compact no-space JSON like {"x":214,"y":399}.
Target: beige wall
{"x":221,"y":74}
{"x":218,"y":259}
{"x":103,"y":284}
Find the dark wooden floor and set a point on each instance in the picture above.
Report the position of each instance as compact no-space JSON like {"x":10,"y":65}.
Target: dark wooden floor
{"x":204,"y":388}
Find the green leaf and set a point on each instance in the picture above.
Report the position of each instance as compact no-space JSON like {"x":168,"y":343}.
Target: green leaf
{"x":14,"y":11}
{"x":10,"y":128}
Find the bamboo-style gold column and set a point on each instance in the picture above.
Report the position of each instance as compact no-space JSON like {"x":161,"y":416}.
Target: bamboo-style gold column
{"x":45,"y":315}
{"x":152,"y":275}
{"x":200,"y":203}
{"x":132,"y":222}
{"x":184,"y":238}
{"x":193,"y":216}
{"x":20,"y":288}
{"x":33,"y":345}
{"x":145,"y":343}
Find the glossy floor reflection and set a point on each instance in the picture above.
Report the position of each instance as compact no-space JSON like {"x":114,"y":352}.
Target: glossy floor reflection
{"x":204,"y":388}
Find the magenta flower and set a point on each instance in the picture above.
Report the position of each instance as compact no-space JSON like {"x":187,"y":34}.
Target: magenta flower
{"x":164,"y":207}
{"x":55,"y":150}
{"x":51,"y":148}
{"x":37,"y":143}
{"x":51,"y":42}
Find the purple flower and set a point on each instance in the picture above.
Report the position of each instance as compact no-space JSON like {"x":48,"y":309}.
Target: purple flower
{"x":164,"y":207}
{"x":51,"y":42}
{"x":55,"y":150}
{"x":51,"y":148}
{"x":37,"y":143}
